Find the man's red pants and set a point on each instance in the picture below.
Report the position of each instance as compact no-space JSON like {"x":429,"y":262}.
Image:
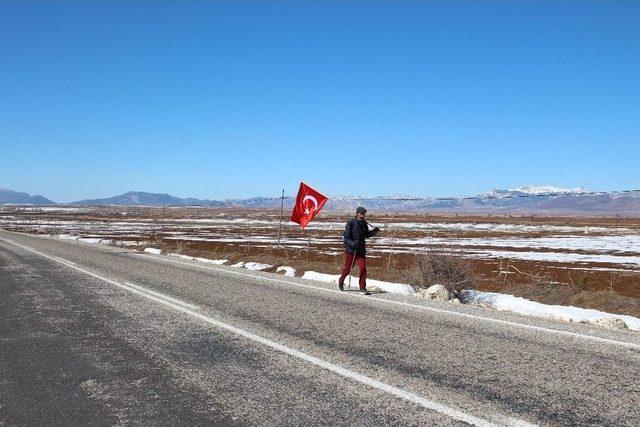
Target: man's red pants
{"x":362,"y":265}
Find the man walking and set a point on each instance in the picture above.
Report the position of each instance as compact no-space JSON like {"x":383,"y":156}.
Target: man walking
{"x":355,"y":233}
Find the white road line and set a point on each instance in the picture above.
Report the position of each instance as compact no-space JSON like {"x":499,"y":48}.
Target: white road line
{"x":332,"y":367}
{"x":372,"y":299}
{"x":163,"y":296}
{"x":415,"y":306}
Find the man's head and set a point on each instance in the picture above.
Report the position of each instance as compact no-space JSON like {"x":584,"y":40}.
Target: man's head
{"x":360,"y":213}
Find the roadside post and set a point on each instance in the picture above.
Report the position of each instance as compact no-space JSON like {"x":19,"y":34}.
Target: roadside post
{"x":280,"y":224}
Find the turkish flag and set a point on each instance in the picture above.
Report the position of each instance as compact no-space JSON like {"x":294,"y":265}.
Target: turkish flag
{"x":308,"y":204}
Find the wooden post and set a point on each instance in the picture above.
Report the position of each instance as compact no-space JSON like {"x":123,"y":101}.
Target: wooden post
{"x":393,"y":243}
{"x":163,"y":208}
{"x":280,"y":224}
{"x":306,"y":236}
{"x":506,"y":272}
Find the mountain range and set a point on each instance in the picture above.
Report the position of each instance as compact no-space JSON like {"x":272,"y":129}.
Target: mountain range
{"x":521,"y":200}
{"x":17,"y":198}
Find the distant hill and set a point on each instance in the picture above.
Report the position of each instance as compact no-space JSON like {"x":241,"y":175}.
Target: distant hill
{"x":16,"y":198}
{"x":526,"y":200}
{"x":140,"y":198}
{"x":522,"y":200}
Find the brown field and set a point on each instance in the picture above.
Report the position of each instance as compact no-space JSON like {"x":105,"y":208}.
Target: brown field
{"x":581,"y":261}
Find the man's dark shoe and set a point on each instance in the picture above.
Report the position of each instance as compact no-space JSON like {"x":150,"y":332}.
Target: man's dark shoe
{"x":340,"y":287}
{"x":365,"y":291}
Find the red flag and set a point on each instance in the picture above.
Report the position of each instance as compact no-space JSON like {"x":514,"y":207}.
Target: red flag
{"x":308,"y":204}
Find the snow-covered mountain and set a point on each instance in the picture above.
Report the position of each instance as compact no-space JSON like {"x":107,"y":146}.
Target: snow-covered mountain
{"x":528,"y":199}
{"x":525,"y":200}
{"x":535,"y":190}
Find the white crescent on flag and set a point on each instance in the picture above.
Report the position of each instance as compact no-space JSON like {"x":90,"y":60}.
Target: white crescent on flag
{"x":315,"y":203}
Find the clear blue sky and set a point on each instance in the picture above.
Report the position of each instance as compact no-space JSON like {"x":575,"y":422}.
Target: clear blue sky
{"x":235,"y":99}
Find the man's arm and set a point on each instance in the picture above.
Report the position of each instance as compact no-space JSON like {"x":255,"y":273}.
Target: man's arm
{"x":372,"y":232}
{"x":348,"y":235}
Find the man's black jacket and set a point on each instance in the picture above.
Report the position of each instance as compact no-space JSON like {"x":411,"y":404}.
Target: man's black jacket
{"x":354,"y":234}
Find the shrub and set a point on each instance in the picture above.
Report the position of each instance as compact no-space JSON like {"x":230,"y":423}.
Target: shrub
{"x":180,"y":248}
{"x":430,"y":268}
{"x":583,"y":282}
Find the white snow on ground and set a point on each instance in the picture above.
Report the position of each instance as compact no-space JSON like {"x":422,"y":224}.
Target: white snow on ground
{"x":453,"y":226}
{"x":248,"y":265}
{"x":67,"y":237}
{"x":625,"y":243}
{"x":288,"y":271}
{"x":251,"y":265}
{"x":395,"y":288}
{"x":128,"y":243}
{"x":205,"y":260}
{"x":153,"y":251}
{"x":531,"y":308}
{"x":93,"y":240}
{"x":324,"y":225}
{"x":499,"y":228}
{"x":623,"y":249}
{"x":619,"y":247}
{"x":557,"y":257}
{"x":211,"y":261}
{"x":65,"y":209}
{"x":182,"y":256}
{"x":88,"y":240}
{"x":257,"y":266}
{"x":225,"y":224}
{"x":254,"y":239}
{"x":499,"y":302}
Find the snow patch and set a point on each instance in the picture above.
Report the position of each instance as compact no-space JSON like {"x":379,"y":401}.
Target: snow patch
{"x":182,"y":256}
{"x":395,"y":288}
{"x":506,"y":302}
{"x":288,"y":271}
{"x":211,"y":261}
{"x":94,"y":241}
{"x":501,"y":228}
{"x":128,"y":243}
{"x":87,"y":240}
{"x":520,"y":305}
{"x":257,"y":266}
{"x":153,"y":251}
{"x":204,"y":260}
{"x":67,"y":237}
{"x":557,"y":257}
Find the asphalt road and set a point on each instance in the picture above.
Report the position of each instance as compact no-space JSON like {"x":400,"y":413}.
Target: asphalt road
{"x":92,"y":335}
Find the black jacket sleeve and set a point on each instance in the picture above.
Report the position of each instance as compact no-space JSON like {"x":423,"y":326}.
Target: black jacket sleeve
{"x":349,"y":243}
{"x":372,"y":232}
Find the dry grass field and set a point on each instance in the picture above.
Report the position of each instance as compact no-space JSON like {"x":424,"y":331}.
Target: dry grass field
{"x":582,"y":261}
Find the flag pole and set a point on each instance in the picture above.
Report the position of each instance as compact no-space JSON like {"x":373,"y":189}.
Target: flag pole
{"x":280,"y":224}
{"x":306,"y":237}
